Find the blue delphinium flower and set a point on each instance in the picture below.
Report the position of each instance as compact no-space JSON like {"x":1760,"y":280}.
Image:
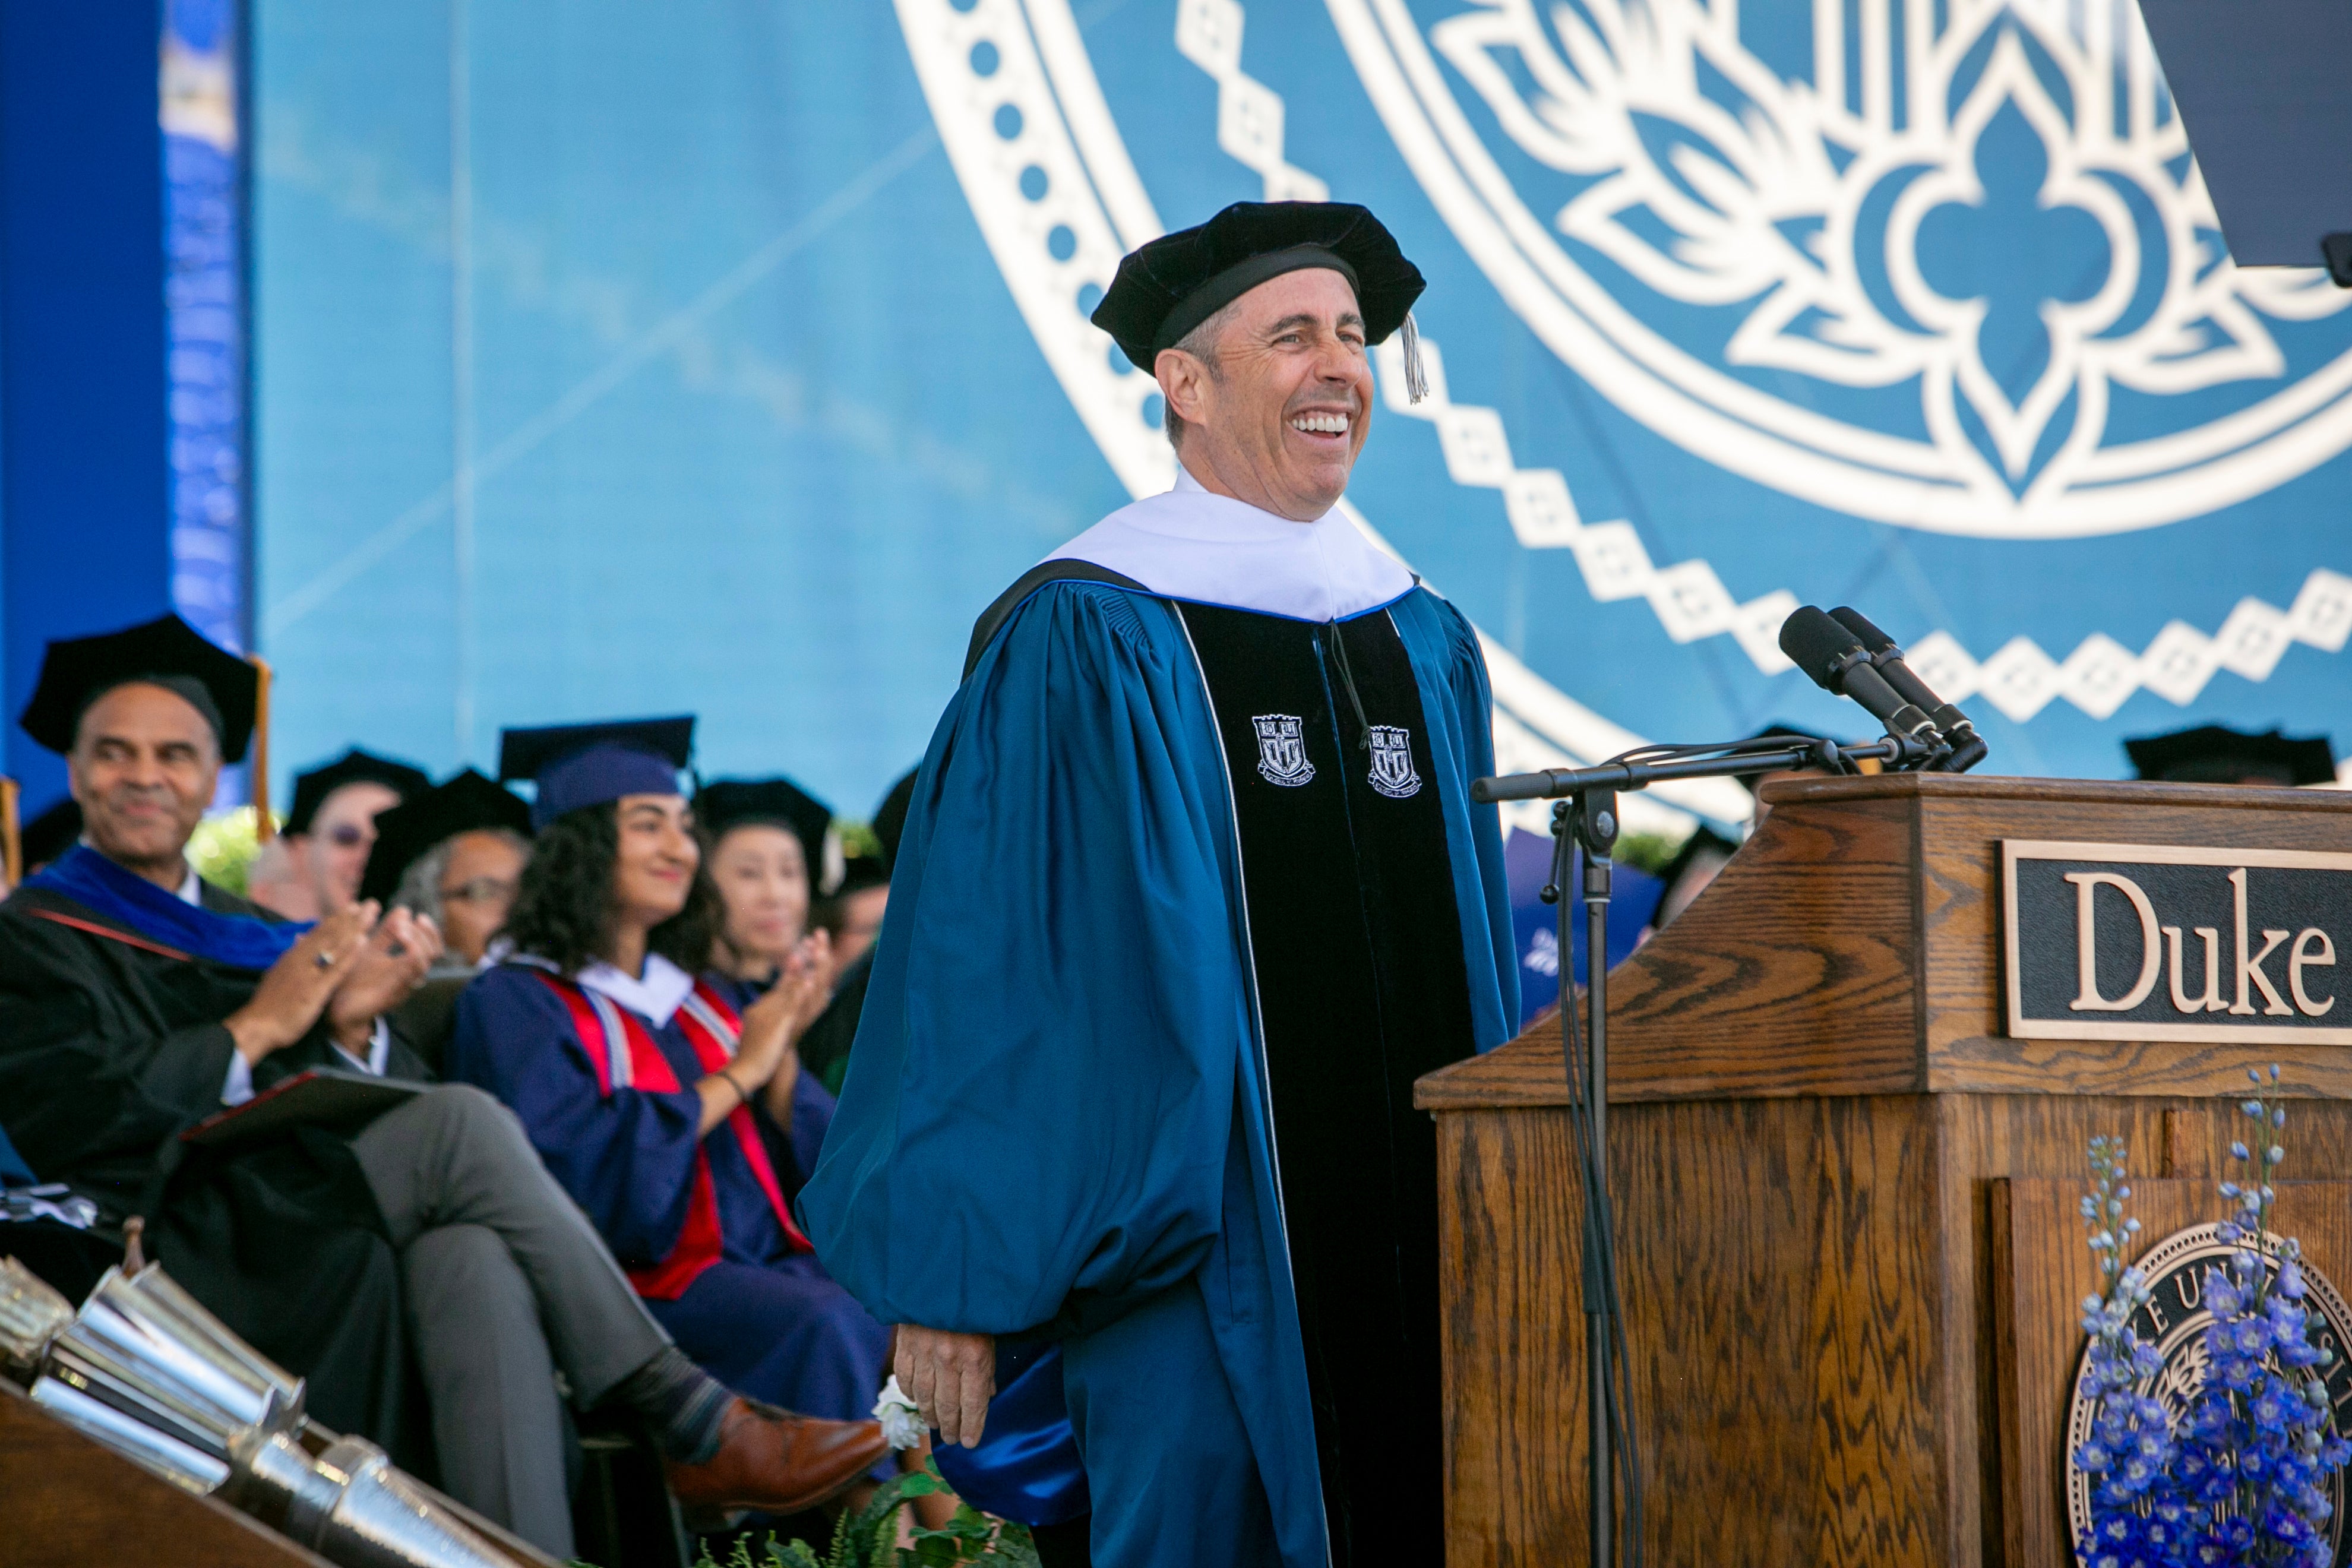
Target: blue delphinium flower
{"x":2237,"y":1477}
{"x":2136,"y":1521}
{"x":2255,"y":1445}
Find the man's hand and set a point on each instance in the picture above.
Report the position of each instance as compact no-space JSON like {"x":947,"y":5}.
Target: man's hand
{"x":951,"y":1377}
{"x":295,"y":991}
{"x":392,"y":964}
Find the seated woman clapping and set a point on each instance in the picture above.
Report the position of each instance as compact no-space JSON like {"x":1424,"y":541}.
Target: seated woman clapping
{"x":669,"y":1115}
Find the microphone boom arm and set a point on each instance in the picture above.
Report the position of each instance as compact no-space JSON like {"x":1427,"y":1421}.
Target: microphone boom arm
{"x":1551,"y":784}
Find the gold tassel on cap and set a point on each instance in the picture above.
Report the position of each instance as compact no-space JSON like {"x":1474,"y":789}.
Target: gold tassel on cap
{"x":1416,"y":376}
{"x":263,"y":827}
{"x":11,"y":835}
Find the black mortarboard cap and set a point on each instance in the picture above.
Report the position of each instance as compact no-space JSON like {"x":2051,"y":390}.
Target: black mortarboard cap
{"x":411,"y":830}
{"x":2215,"y":754}
{"x":860,"y":872}
{"x":2264,"y":92}
{"x":51,"y":834}
{"x":1166,"y":288}
{"x":77,"y":672}
{"x":579,"y":766}
{"x":354,"y":766}
{"x":723,"y":804}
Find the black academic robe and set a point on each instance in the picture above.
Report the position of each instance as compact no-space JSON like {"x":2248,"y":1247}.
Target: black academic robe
{"x":109,"y":1049}
{"x":824,"y":1044}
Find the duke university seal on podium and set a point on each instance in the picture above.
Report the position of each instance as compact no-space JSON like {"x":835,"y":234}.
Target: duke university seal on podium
{"x":2174,"y":1322}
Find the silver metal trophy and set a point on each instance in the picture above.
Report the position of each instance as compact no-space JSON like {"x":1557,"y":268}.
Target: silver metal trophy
{"x":145,"y":1369}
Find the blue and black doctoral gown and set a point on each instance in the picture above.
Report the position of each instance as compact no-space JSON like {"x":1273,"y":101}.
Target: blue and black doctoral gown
{"x":1192,"y":891}
{"x":601,"y":1068}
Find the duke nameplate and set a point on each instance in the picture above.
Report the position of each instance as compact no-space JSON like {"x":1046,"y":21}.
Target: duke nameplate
{"x":2148,"y":942}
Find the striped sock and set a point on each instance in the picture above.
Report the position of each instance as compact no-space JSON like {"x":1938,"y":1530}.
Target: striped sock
{"x":683,"y":1403}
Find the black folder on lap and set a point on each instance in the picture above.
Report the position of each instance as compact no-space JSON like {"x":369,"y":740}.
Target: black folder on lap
{"x":324,"y":1096}
{"x":2265,"y":89}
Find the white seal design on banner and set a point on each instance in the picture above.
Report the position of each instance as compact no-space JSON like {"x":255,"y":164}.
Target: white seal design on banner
{"x":1058,"y":200}
{"x":1721,"y":234}
{"x":1038,"y":153}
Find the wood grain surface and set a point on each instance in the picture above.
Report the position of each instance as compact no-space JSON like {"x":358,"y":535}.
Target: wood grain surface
{"x":1781,"y":1302}
{"x":1962,"y":1034}
{"x":1853,"y":947}
{"x":68,"y":1502}
{"x":1824,"y":1310}
{"x":1851,"y":1256}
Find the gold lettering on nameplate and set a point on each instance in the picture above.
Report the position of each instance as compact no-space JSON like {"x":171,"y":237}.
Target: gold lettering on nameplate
{"x":2151,"y":941}
{"x":2251,"y":969}
{"x":2087,"y":952}
{"x":2212,"y":1001}
{"x":2314,"y":948}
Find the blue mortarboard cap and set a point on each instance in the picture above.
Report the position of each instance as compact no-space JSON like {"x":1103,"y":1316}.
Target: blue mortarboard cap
{"x":2264,"y":92}
{"x":579,"y":766}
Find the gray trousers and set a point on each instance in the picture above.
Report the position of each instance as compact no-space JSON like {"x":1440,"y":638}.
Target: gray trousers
{"x":505,"y":1282}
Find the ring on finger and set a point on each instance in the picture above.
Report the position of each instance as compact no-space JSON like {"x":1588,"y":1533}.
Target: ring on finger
{"x":323,"y":959}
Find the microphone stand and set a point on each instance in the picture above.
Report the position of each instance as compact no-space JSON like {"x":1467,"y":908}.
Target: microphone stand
{"x":1585,"y":817}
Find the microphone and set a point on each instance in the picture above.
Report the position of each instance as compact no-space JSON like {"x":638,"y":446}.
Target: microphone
{"x":1837,"y":663}
{"x":1887,"y":658}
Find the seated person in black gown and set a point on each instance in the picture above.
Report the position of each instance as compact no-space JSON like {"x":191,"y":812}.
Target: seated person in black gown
{"x":136,"y":1000}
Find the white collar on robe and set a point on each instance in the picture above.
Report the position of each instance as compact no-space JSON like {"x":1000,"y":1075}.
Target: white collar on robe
{"x":1192,"y":544}
{"x":655,"y":998}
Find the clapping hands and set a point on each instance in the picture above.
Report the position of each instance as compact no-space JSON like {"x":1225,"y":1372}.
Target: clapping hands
{"x":392,"y":964}
{"x":348,"y":967}
{"x":772,"y":1025}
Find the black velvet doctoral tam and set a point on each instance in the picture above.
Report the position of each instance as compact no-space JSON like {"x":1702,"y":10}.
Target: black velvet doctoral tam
{"x":1167,"y":287}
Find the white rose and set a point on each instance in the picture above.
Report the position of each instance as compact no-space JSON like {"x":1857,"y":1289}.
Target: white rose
{"x":902,"y":1423}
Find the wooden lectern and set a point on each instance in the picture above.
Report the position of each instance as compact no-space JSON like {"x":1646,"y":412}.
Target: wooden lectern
{"x":1846,"y":1194}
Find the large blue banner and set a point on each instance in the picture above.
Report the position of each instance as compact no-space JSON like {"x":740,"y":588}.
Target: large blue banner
{"x":738,"y":363}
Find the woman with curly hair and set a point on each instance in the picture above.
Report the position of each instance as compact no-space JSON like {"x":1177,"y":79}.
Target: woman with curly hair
{"x":682,"y":1126}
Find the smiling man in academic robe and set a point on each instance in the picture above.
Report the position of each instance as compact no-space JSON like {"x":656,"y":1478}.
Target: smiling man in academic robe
{"x":136,"y":999}
{"x":1191,"y":891}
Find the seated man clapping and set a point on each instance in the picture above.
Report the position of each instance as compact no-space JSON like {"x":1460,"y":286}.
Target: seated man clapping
{"x":136,"y":1000}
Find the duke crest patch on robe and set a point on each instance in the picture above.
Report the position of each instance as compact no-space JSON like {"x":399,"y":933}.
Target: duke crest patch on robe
{"x":1392,"y":771}
{"x":1282,"y":750}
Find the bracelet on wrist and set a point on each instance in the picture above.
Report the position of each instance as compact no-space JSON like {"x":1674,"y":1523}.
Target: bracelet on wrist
{"x":742,"y":1096}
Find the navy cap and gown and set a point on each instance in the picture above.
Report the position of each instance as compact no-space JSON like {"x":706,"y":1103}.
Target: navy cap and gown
{"x":1190,"y":890}
{"x":601,"y":1068}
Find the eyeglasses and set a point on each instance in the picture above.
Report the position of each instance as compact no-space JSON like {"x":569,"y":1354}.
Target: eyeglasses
{"x":348,"y":836}
{"x":480,"y":891}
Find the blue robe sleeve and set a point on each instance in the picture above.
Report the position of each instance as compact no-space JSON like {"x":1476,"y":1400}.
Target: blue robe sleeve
{"x":626,"y":1158}
{"x":1033,"y":1127}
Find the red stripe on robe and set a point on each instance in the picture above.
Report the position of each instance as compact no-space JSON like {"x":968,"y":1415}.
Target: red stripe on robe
{"x":701,"y":1241}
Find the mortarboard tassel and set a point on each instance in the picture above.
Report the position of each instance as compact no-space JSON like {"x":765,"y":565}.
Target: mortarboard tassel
{"x":1416,"y":378}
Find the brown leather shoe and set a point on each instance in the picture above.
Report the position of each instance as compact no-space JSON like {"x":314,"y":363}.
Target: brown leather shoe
{"x":777,"y":1462}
